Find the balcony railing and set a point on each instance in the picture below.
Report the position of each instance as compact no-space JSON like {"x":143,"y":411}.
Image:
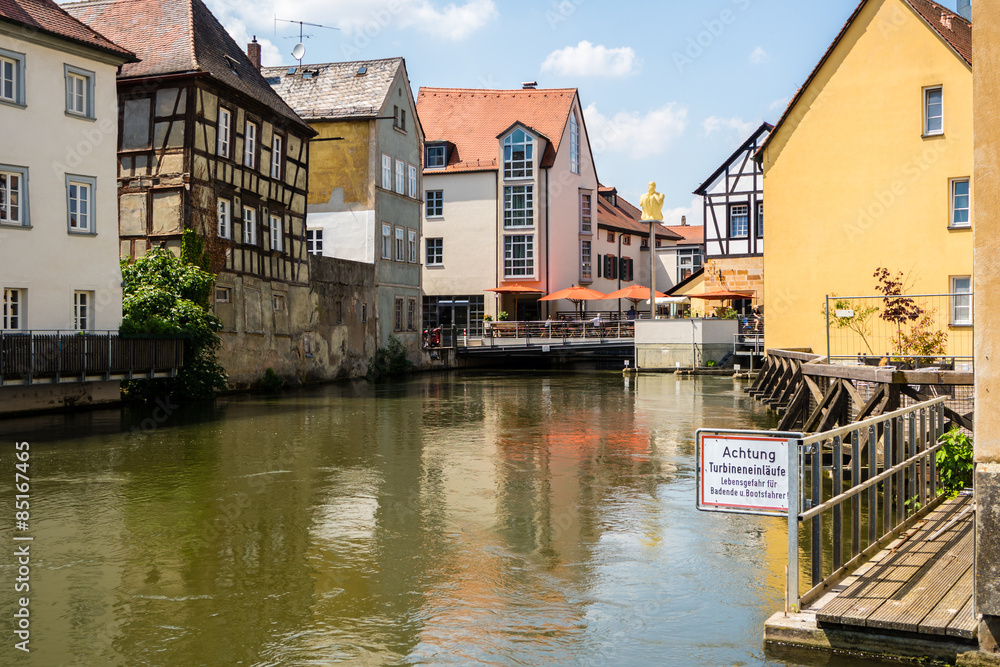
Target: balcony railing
{"x":34,"y":357}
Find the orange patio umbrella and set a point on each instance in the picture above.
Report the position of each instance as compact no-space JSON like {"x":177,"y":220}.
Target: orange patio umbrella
{"x":575,"y":294}
{"x":721,"y":295}
{"x":515,"y":289}
{"x":634,"y":293}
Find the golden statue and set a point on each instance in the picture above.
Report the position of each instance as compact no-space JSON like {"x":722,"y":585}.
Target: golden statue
{"x":652,"y":204}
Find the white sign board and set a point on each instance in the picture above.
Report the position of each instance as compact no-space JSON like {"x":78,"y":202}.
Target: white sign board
{"x":845,"y":313}
{"x":744,"y":471}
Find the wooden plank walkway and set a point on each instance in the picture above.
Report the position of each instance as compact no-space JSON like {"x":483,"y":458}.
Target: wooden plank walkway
{"x":919,"y":585}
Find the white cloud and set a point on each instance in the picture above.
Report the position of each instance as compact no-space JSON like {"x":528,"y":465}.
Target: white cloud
{"x":694,"y":213}
{"x":714,"y":124}
{"x":760,"y":56}
{"x":779,"y":104}
{"x":586,"y":59}
{"x":635,"y":134}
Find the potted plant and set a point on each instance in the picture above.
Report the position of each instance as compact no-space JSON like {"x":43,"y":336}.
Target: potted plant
{"x":503,"y":316}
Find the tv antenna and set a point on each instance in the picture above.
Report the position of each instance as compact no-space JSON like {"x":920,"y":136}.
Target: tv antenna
{"x":299,"y":49}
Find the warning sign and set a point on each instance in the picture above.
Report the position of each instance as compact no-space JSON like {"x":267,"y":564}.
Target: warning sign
{"x":745,"y":472}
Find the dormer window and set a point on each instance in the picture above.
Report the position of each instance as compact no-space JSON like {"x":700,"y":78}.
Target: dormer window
{"x":436,"y":156}
{"x":518,"y":153}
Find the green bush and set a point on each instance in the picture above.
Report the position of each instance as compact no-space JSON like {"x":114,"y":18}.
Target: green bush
{"x":270,"y":382}
{"x":390,"y":360}
{"x":954,"y":461}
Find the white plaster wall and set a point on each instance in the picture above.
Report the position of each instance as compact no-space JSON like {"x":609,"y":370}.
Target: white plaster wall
{"x":46,"y":259}
{"x":700,"y":331}
{"x":346,"y":234}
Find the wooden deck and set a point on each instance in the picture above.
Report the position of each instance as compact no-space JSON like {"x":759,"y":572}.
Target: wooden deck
{"x":913,"y":598}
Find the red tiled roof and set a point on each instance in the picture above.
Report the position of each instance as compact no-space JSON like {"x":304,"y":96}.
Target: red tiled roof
{"x":180,"y":37}
{"x":48,"y":17}
{"x":690,"y":233}
{"x":958,"y":37}
{"x":472,"y":118}
{"x":624,"y":217}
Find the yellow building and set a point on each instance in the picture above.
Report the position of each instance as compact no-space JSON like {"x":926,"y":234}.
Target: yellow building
{"x":870,"y":167}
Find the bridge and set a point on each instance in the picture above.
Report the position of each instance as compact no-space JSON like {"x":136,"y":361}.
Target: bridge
{"x":558,"y":341}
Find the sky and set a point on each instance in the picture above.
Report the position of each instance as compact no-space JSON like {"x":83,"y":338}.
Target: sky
{"x":669,"y":89}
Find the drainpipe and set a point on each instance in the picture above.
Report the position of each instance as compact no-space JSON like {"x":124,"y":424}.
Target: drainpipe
{"x":548,"y":289}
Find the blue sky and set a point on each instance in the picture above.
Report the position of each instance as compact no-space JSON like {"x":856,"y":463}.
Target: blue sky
{"x":669,"y":89}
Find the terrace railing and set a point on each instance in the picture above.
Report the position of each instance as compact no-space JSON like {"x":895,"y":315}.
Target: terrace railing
{"x":31,"y":357}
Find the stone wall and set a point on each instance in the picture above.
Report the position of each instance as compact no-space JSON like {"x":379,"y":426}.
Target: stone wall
{"x":739,"y":274}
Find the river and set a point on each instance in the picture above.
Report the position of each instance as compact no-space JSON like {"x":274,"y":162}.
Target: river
{"x":453,"y":519}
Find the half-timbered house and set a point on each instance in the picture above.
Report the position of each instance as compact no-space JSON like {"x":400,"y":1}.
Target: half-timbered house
{"x":733,"y":199}
{"x":205,"y":144}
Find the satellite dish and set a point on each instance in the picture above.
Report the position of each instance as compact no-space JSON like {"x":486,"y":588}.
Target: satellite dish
{"x":299,"y":51}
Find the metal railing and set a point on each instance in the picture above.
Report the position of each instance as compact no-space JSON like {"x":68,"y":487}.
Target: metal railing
{"x":906,"y":331}
{"x":53,"y":356}
{"x":891,"y":482}
{"x":500,"y":333}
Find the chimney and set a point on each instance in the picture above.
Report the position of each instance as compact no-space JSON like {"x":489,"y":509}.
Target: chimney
{"x":253,"y":51}
{"x":946,"y":19}
{"x":684,"y":221}
{"x":965,"y":9}
{"x":529,"y":85}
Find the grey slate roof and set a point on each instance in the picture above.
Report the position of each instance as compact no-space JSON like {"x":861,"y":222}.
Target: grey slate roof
{"x":331,"y":91}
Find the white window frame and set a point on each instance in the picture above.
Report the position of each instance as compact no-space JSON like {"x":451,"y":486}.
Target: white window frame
{"x":79,"y":92}
{"x":8,"y":173}
{"x":83,"y":310}
{"x":586,"y":262}
{"x":961,"y":301}
{"x":386,"y":172}
{"x":412,"y":173}
{"x":733,"y":215}
{"x":400,"y":177}
{"x":518,"y":267}
{"x":250,"y":145}
{"x":12,"y":78}
{"x":434,"y":252}
{"x":225,"y":216}
{"x":225,"y":132}
{"x":436,"y":157}
{"x":386,"y":241}
{"x":223,"y":294}
{"x":400,"y":245}
{"x":249,"y":225}
{"x":954,"y":207}
{"x":518,"y":217}
{"x":434,"y":203}
{"x":77,"y":221}
{"x":759,"y":220}
{"x":314,"y":241}
{"x":586,"y":213}
{"x":518,"y":167}
{"x":689,"y":259}
{"x":278,"y":302}
{"x":15,"y":301}
{"x":574,"y":143}
{"x":411,"y":245}
{"x":929,"y":119}
{"x":277,"y":233}
{"x":276,"y":154}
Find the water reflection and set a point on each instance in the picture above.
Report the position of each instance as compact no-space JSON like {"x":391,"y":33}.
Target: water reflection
{"x":453,"y":519}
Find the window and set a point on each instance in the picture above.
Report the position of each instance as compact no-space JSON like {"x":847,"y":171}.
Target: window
{"x":688,"y":261}
{"x":517,"y":155}
{"x":13,"y":308}
{"x":250,"y":146}
{"x":586,"y":268}
{"x":276,"y":156}
{"x":643,"y":243}
{"x":434,"y":203}
{"x":79,"y":92}
{"x":518,"y":206}
{"x":435,"y":252}
{"x":961,"y":301}
{"x":364,"y":312}
{"x":411,"y":314}
{"x":412,"y":171}
{"x":278,"y":301}
{"x":435,"y":157}
{"x":277,"y":234}
{"x":399,"y":118}
{"x":400,"y":245}
{"x":397,"y":322}
{"x":340,"y":312}
{"x":760,"y":219}
{"x":224,"y":129}
{"x":585,"y":217}
{"x":611,"y":237}
{"x":14,"y":195}
{"x":80,"y":204}
{"x":82,"y":316}
{"x":11,"y":77}
{"x":626,"y":239}
{"x":386,"y":172}
{"x":739,"y":220}
{"x":960,"y":202}
{"x":249,"y":226}
{"x":933,"y":111}
{"x":574,"y":144}
{"x":400,"y":177}
{"x":386,"y":241}
{"x":225,"y":219}
{"x":314,"y":241}
{"x":411,"y":245}
{"x":223,"y":294}
{"x":518,"y":255}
